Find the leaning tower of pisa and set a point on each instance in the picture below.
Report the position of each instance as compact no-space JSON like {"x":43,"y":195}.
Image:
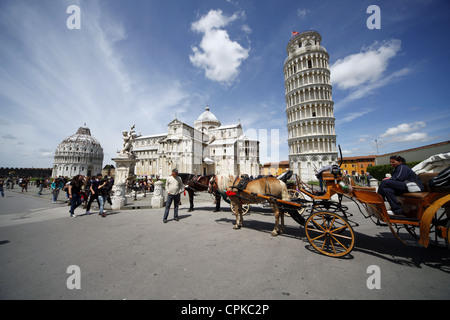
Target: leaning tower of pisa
{"x":309,"y":107}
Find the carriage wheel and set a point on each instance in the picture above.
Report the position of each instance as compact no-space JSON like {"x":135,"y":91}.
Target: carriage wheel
{"x":330,"y":234}
{"x":297,"y":195}
{"x":438,"y":229}
{"x":245,"y":208}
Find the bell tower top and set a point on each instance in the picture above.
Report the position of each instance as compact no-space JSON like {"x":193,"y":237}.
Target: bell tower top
{"x":303,"y":42}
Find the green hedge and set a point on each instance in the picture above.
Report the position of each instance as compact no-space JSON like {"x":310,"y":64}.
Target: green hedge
{"x":379,"y":172}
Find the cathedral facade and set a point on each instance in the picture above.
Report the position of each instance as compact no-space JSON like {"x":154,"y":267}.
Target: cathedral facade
{"x":206,"y":148}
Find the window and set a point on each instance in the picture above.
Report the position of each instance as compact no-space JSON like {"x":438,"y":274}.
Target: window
{"x":309,"y":64}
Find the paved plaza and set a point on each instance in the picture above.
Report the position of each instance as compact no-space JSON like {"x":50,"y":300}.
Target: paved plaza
{"x":132,"y":254}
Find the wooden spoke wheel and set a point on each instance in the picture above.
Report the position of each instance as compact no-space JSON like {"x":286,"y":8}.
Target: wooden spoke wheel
{"x":245,"y":208}
{"x":296,"y":195}
{"x":330,"y":234}
{"x":439,"y":227}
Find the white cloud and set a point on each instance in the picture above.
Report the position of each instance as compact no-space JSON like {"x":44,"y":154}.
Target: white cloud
{"x":364,"y":67}
{"x":406,"y":132}
{"x":365,"y":90}
{"x":214,"y":19}
{"x":352,"y":116}
{"x":413,"y":137}
{"x":246,"y":29}
{"x":218,"y":55}
{"x":301,"y":13}
{"x":364,"y":72}
{"x":347,"y":152}
{"x":403,"y":128}
{"x":63,"y":78}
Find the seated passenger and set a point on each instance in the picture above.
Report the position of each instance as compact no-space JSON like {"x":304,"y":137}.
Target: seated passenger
{"x":395,"y":185}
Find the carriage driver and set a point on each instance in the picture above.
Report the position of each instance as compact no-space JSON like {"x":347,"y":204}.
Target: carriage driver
{"x":174,"y":188}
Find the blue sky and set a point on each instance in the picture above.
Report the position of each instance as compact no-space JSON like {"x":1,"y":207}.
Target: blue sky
{"x":143,"y":62}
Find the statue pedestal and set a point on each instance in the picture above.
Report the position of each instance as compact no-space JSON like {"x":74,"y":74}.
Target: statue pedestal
{"x":124,"y":168}
{"x":158,"y":196}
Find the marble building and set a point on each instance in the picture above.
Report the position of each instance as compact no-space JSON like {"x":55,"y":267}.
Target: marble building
{"x":309,"y":105}
{"x":207,"y":147}
{"x":79,"y":153}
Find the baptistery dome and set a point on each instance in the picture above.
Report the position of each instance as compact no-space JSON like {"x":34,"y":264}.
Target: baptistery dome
{"x":79,"y":153}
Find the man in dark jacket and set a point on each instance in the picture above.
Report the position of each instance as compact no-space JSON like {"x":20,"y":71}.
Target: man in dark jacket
{"x":95,"y":183}
{"x":395,"y":186}
{"x":74,"y":193}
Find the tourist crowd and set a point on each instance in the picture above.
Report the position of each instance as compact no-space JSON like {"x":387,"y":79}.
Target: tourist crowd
{"x":79,"y":190}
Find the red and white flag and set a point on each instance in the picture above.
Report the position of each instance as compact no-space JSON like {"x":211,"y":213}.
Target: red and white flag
{"x":294,"y":33}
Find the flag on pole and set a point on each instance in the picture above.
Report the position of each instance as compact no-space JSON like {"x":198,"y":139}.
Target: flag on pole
{"x":294,"y":33}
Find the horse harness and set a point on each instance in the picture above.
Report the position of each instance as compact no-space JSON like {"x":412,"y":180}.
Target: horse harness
{"x":242,"y":185}
{"x":195,"y":180}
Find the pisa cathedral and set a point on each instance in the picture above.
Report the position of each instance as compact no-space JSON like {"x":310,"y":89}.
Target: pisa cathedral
{"x":206,"y":148}
{"x":309,"y":106}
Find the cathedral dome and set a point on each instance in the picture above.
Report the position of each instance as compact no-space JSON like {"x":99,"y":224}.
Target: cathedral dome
{"x":207,"y":116}
{"x":79,"y":153}
{"x":206,"y":121}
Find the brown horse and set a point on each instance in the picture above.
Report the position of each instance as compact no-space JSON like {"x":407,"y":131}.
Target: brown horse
{"x":194,"y":183}
{"x":240,"y":192}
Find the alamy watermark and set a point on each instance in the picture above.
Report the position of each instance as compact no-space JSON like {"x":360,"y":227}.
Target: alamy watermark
{"x":269,"y":143}
{"x":374,"y":280}
{"x":74,"y":280}
{"x":74,"y":20}
{"x":374,"y":21}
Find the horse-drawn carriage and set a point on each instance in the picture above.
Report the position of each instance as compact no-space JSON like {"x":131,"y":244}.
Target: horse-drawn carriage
{"x":330,"y":231}
{"x":327,"y":223}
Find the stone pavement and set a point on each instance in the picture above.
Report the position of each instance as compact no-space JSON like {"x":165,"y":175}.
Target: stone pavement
{"x":132,"y":254}
{"x":140,"y":200}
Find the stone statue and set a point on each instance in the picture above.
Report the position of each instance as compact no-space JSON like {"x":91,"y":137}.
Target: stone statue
{"x":128,"y":139}
{"x":125,"y":164}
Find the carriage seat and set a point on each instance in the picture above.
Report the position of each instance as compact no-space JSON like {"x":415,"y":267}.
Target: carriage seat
{"x":424,"y":177}
{"x":415,"y":203}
